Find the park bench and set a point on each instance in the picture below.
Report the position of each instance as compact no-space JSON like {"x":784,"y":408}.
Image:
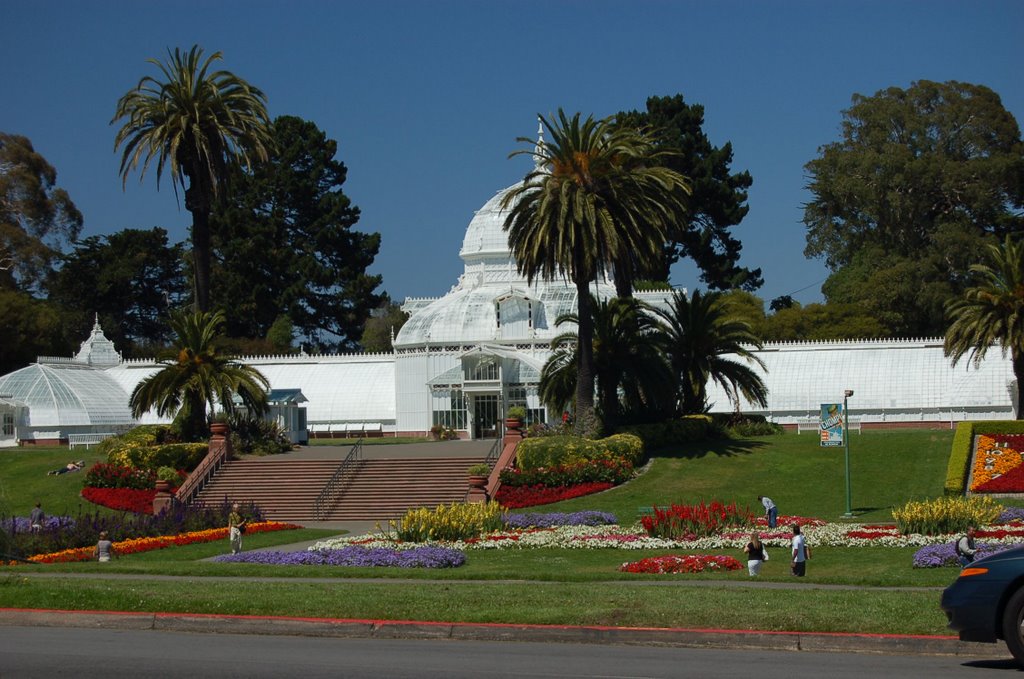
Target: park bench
{"x":812,"y":425}
{"x":87,"y":440}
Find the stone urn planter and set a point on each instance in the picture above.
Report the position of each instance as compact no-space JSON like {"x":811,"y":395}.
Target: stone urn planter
{"x":220,"y":428}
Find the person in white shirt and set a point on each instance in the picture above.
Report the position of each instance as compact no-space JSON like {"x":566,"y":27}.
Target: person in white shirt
{"x":801,"y":553}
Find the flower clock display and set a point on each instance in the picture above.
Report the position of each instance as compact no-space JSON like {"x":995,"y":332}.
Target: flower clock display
{"x":997,"y":465}
{"x":687,"y":563}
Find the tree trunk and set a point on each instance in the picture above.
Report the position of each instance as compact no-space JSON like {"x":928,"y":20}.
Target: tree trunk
{"x":1017,"y":357}
{"x":197,"y":203}
{"x":585,"y":416}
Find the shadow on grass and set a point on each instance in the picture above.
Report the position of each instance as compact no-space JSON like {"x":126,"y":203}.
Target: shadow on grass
{"x":695,"y":450}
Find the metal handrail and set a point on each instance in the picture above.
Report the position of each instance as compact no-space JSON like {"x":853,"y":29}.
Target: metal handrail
{"x":201,"y":475}
{"x":492,"y":455}
{"x":336,"y":479}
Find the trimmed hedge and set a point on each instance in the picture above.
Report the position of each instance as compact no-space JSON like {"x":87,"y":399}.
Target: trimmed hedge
{"x":963,"y":447}
{"x":147,"y":447}
{"x":555,"y":451}
{"x":662,"y":434}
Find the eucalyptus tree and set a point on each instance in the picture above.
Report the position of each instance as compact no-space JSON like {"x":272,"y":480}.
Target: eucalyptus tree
{"x":196,"y":377}
{"x":198,"y":122}
{"x":594,"y":203}
{"x":992,"y":311}
{"x":700,"y":337}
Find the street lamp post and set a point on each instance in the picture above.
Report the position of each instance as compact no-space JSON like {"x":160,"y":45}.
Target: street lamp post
{"x":846,"y":442}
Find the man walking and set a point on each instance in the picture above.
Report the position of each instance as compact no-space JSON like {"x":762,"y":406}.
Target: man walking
{"x":801,"y":553}
{"x":771,"y":512}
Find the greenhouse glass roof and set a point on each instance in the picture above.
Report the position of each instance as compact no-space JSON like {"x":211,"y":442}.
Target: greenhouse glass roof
{"x":67,"y":394}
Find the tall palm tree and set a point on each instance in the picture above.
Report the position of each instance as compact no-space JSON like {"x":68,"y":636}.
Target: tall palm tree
{"x":626,"y":360}
{"x":991,"y":312}
{"x":200,"y":123}
{"x":696,"y":334}
{"x":592,"y":201}
{"x":195,"y":377}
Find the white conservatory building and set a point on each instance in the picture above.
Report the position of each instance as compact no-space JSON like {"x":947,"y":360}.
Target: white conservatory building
{"x":462,"y":359}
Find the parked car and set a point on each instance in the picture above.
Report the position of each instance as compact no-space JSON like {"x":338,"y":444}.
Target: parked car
{"x":986,"y":602}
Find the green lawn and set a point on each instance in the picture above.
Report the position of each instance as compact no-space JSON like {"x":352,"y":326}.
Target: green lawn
{"x":564,"y":586}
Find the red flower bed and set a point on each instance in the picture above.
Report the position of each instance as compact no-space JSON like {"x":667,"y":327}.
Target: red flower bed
{"x":528,"y":496}
{"x":691,"y":521}
{"x":691,"y":563}
{"x":123,"y":499}
{"x":1010,"y":482}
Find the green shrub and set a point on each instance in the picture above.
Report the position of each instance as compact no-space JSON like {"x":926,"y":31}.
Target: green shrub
{"x":479,"y":469}
{"x":177,"y":455}
{"x":551,"y":451}
{"x":516,"y":413}
{"x":612,"y":470}
{"x":257,"y":436}
{"x":629,"y":447}
{"x":169,"y":474}
{"x":662,"y":434}
{"x":946,"y":514}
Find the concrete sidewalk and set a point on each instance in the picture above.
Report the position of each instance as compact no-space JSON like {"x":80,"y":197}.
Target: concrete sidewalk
{"x":583,"y":634}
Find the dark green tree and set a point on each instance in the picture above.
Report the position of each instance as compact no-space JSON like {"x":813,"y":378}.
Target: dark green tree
{"x":594,"y":202}
{"x":698,"y":334}
{"x":921,"y":180}
{"x":718,"y":199}
{"x":991,"y":312}
{"x":631,"y":374}
{"x":384,"y":323}
{"x":36,"y":216}
{"x":286,"y":244}
{"x":30,"y":328}
{"x":201,"y":123}
{"x":131,"y":278}
{"x":196,"y":377}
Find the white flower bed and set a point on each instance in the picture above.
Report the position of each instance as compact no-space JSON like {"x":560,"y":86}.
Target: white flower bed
{"x":634,"y":537}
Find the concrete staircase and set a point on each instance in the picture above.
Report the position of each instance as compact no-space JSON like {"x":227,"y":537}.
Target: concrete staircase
{"x":380,"y":489}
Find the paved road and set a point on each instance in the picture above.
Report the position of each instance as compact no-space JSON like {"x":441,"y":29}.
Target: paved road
{"x":51,"y":652}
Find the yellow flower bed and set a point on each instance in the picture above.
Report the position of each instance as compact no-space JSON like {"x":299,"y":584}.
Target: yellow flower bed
{"x":991,"y":461}
{"x":457,"y":521}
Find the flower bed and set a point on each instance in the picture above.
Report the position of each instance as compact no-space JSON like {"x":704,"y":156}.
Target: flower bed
{"x":530,"y":520}
{"x":122,"y":499}
{"x":693,"y":521}
{"x":817,"y":533}
{"x":147,"y":544}
{"x":356,"y":555}
{"x":938,"y":556}
{"x":997,"y":465}
{"x":690,"y":563}
{"x":529,"y":496}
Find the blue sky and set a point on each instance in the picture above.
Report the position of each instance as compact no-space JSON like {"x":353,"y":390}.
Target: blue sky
{"x":426,"y":99}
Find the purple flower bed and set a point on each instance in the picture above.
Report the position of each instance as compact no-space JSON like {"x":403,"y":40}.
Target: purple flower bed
{"x":21,"y":524}
{"x":418,"y":557}
{"x":937,"y":556}
{"x":1011,"y":514}
{"x":529,"y":520}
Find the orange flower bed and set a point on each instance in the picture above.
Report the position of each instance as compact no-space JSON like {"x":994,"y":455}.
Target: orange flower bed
{"x":992,"y":461}
{"x":137,"y":545}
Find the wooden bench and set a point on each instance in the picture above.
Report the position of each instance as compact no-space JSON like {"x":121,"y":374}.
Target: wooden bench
{"x":813,"y":425}
{"x":87,"y":440}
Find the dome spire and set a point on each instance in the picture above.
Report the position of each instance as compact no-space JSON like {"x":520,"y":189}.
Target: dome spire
{"x":538,"y":151}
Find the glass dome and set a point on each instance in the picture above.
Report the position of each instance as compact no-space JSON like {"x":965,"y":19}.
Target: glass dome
{"x":63,"y":394}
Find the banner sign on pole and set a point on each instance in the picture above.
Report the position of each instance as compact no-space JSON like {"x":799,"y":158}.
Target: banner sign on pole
{"x":831,"y":425}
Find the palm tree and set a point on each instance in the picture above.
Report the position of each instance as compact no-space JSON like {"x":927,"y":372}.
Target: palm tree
{"x":594,"y":200}
{"x":991,"y":312}
{"x":200,"y":123}
{"x":195,"y":377}
{"x":696,"y":335}
{"x":626,"y":360}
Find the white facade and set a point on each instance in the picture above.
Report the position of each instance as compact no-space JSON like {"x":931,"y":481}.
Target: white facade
{"x":462,"y":359}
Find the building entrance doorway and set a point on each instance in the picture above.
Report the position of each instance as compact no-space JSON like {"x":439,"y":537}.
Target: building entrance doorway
{"x":486,"y":416}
